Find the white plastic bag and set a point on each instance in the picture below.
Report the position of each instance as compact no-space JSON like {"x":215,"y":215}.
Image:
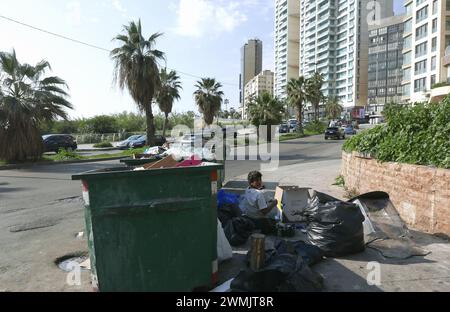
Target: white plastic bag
{"x":224,"y":251}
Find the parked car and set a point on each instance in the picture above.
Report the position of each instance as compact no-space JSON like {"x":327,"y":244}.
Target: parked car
{"x":334,"y":133}
{"x":126,"y":144}
{"x":55,"y":142}
{"x":293,"y":123}
{"x":284,"y":128}
{"x":349,"y":130}
{"x":142,"y":141}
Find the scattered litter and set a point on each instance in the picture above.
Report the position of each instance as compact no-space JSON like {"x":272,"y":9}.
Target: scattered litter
{"x":155,"y":150}
{"x":71,"y":262}
{"x":80,"y":235}
{"x":86,"y":265}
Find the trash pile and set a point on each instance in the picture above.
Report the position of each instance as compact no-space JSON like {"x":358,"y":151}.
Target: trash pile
{"x":332,"y":228}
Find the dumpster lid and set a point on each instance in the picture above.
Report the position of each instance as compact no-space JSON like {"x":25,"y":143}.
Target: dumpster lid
{"x":130,"y":171}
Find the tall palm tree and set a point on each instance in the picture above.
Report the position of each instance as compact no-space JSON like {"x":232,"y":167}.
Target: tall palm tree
{"x":315,"y":95}
{"x":137,"y":69}
{"x":334,"y":108}
{"x":266,"y":110}
{"x":27,"y":99}
{"x":168,"y":93}
{"x":297,"y":96}
{"x":208,"y":97}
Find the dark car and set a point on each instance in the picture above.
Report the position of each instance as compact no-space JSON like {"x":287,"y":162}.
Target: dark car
{"x":349,"y":130}
{"x":126,"y":144}
{"x":142,"y":141}
{"x":284,"y":128}
{"x":334,"y":133}
{"x":55,"y":142}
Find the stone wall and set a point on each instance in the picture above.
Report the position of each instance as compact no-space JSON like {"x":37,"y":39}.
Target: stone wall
{"x":421,"y":194}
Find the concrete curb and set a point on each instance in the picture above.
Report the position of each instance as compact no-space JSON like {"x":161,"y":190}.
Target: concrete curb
{"x":98,"y":149}
{"x":54,"y":163}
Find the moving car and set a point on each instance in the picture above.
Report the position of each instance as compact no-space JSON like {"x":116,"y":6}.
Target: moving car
{"x":55,"y":142}
{"x":142,"y":141}
{"x":334,"y":133}
{"x":349,"y":130}
{"x":126,"y":144}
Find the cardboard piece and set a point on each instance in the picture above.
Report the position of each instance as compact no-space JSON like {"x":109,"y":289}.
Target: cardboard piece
{"x":168,"y":162}
{"x":292,"y":200}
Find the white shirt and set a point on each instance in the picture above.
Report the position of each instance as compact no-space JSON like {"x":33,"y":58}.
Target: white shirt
{"x":252,"y":202}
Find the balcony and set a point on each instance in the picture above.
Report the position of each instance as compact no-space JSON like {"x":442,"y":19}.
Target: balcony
{"x":439,"y":92}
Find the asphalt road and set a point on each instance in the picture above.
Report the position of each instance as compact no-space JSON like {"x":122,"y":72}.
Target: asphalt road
{"x":41,"y":211}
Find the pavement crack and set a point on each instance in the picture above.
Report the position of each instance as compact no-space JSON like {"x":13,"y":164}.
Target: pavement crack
{"x":38,"y":224}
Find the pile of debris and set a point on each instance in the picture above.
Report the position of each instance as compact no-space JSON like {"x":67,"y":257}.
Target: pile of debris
{"x":332,"y":228}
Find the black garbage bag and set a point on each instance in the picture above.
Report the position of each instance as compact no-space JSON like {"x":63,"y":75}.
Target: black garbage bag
{"x":238,"y":230}
{"x":228,"y":211}
{"x":283,"y":273}
{"x":334,"y":226}
{"x":310,"y":254}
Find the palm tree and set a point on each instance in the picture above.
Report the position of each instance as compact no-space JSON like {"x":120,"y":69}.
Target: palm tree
{"x":27,"y":100}
{"x":334,"y":108}
{"x":168,"y":93}
{"x":297,"y":96}
{"x":137,"y":69}
{"x":266,"y":110}
{"x":208,"y":97}
{"x":314,"y":92}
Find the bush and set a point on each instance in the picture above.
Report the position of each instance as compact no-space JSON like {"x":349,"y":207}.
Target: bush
{"x":416,"y":134}
{"x":316,"y":127}
{"x":103,"y":145}
{"x":64,"y":155}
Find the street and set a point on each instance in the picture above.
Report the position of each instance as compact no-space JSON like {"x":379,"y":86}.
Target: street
{"x":41,"y":212}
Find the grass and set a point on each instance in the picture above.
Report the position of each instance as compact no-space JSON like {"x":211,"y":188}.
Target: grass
{"x":59,"y":158}
{"x":339,"y":181}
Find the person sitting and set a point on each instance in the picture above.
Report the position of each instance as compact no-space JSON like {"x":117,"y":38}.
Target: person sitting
{"x":254,"y":205}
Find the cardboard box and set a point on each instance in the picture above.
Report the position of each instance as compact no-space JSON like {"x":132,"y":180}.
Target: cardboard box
{"x":292,"y":200}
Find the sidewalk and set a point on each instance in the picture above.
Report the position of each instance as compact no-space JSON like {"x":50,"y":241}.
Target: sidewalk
{"x":421,"y":273}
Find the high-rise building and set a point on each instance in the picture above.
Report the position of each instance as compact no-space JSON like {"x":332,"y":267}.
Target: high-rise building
{"x":385,"y":63}
{"x":256,"y":86}
{"x":426,"y":49}
{"x":334,"y":42}
{"x":251,"y":64}
{"x":287,"y":39}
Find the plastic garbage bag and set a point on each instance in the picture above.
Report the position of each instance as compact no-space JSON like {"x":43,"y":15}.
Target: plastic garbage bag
{"x":227,"y":198}
{"x":336,"y":227}
{"x":224,"y":250}
{"x":238,"y":230}
{"x":283,"y":273}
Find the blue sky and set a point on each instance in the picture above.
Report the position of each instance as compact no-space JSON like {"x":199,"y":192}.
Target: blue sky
{"x":201,"y":37}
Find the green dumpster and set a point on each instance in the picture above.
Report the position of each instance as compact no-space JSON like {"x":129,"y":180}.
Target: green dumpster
{"x":152,"y":230}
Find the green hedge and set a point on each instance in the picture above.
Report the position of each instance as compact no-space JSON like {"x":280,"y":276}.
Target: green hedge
{"x":418,"y":134}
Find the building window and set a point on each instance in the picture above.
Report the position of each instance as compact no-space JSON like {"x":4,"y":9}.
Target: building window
{"x":422,"y":14}
{"x":420,"y":85}
{"x":435,"y":7}
{"x":421,"y":49}
{"x":407,"y":58}
{"x":420,"y":67}
{"x":419,"y":2}
{"x":421,"y":32}
{"x":435,"y":25}
{"x":408,"y":26}
{"x":433,"y":63}
{"x":433,"y":80}
{"x":407,"y":43}
{"x":407,"y":90}
{"x":434,"y":44}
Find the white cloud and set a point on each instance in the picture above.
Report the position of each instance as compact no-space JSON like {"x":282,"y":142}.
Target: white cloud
{"x":118,"y":6}
{"x":196,"y":18}
{"x":74,"y":12}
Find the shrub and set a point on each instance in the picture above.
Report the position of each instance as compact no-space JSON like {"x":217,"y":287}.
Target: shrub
{"x":416,"y":134}
{"x":64,"y":155}
{"x":103,"y":145}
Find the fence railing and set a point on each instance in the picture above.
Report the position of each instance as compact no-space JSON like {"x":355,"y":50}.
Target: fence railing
{"x":94,"y":138}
